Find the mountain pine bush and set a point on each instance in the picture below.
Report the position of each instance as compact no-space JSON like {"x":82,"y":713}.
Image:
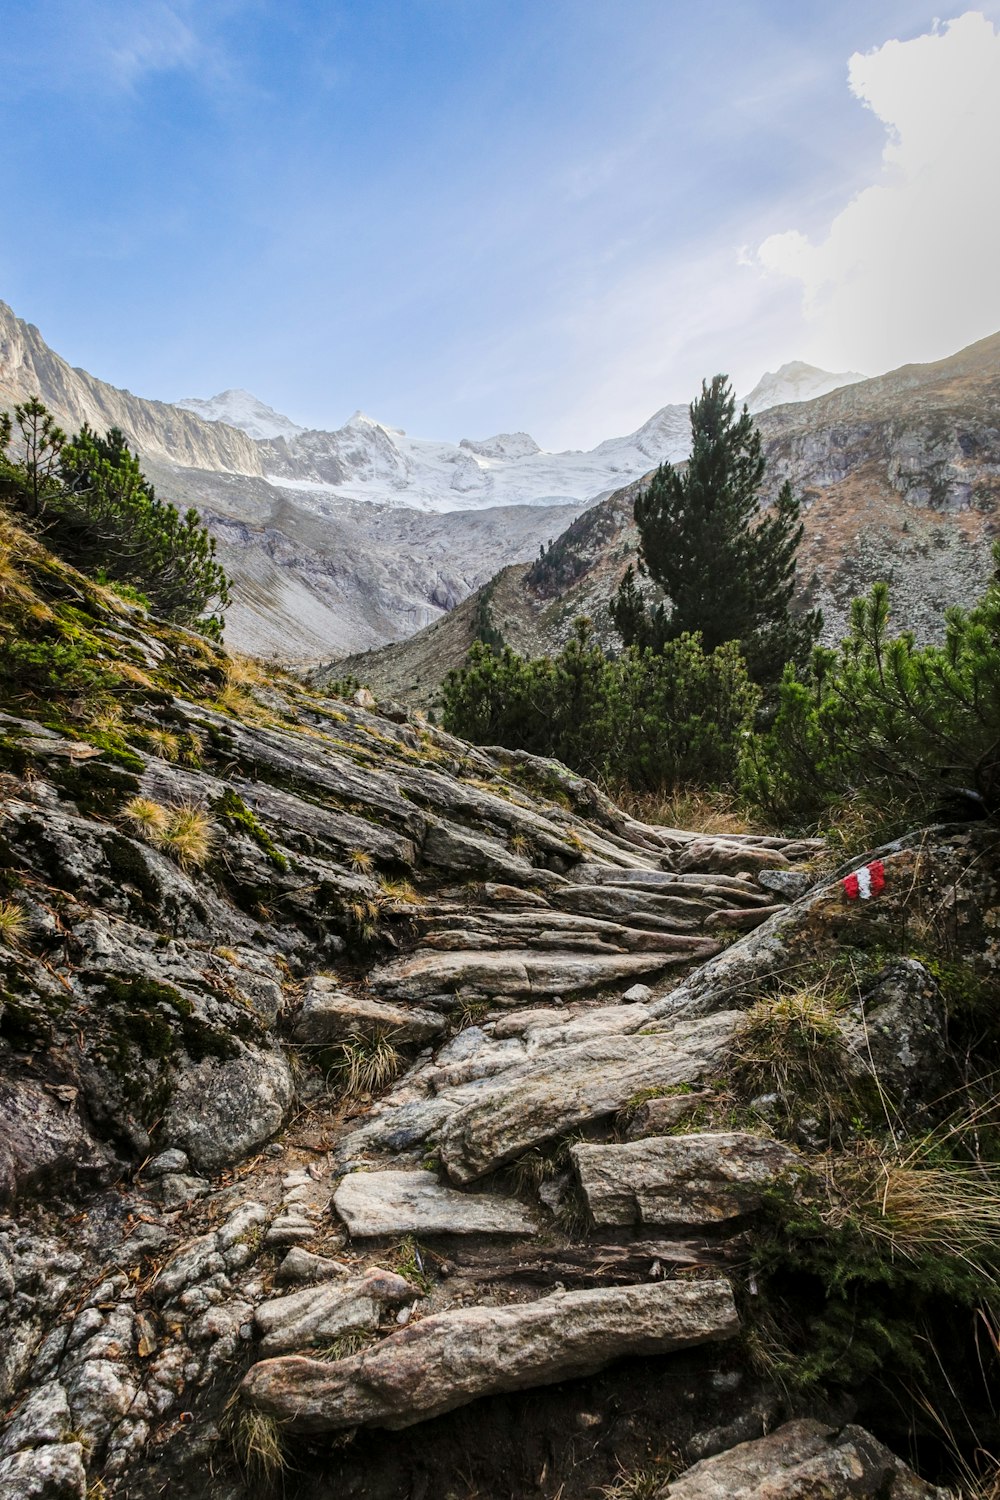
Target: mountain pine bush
{"x":912,"y":731}
{"x":96,"y":509}
{"x":652,"y":720}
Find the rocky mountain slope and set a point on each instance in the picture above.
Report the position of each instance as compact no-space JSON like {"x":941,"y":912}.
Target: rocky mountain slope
{"x":384,"y":1117}
{"x":308,"y":523}
{"x":900,"y":478}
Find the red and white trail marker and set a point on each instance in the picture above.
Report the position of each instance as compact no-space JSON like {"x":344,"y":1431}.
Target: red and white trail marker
{"x":866,"y":882}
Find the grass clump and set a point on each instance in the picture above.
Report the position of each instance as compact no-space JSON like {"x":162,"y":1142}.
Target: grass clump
{"x":184,"y":831}
{"x":790,"y":1050}
{"x":189,"y":835}
{"x":367,"y":1065}
{"x":256,"y":1440}
{"x":643,"y":1484}
{"x":149,"y":819}
{"x":13,"y":923}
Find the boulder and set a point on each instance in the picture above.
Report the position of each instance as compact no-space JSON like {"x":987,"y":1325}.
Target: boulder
{"x":898,"y":1031}
{"x":221,"y":1111}
{"x":803,"y":1459}
{"x":455,"y":1357}
{"x":680,"y":1179}
{"x":385,"y":1203}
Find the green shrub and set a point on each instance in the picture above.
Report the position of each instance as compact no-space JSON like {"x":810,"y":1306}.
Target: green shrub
{"x":100,"y":513}
{"x":913,"y":730}
{"x":651,"y":719}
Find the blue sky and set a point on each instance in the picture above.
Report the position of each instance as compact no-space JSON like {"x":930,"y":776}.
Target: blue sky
{"x":468,"y":216}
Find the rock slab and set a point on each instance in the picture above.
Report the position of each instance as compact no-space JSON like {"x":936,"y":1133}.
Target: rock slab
{"x":803,"y":1459}
{"x":320,"y":1314}
{"x":383,"y":1203}
{"x":702,"y":1178}
{"x":455,"y":1357}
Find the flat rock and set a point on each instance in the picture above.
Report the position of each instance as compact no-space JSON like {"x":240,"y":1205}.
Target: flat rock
{"x":680,"y":1179}
{"x":660,"y":1115}
{"x":455,"y":1357}
{"x":740,"y":918}
{"x":303,"y":1266}
{"x":320,"y":1314}
{"x":788,"y":883}
{"x":384,"y":1203}
{"x":520,"y":972}
{"x":804,"y":1459}
{"x":565,"y":1086}
{"x":330,"y":1014}
{"x":719,"y":856}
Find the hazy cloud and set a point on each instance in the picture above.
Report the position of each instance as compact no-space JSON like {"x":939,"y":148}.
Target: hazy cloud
{"x":908,"y":269}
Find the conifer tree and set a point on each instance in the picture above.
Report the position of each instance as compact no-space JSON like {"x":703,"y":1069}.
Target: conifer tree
{"x":728,"y":572}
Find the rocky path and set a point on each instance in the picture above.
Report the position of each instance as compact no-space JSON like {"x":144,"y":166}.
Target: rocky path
{"x":374,"y":1114}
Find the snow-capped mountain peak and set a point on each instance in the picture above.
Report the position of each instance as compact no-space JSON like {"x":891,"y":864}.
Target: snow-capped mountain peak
{"x":797,"y":381}
{"x":505,"y":445}
{"x":368,"y":460}
{"x":244,"y":410}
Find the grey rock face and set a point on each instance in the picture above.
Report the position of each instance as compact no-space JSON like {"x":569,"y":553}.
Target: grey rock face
{"x":573,"y":1084}
{"x":42,"y":1140}
{"x":55,"y":1472}
{"x":803,"y":1458}
{"x":330,"y":1015}
{"x":680,"y":1179}
{"x":220,"y":1111}
{"x":384,"y":1203}
{"x":455,"y":1357}
{"x":43,"y":1418}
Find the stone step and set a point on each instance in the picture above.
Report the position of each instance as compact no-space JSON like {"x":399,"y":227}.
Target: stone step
{"x":376,"y":1204}
{"x":446,"y":1360}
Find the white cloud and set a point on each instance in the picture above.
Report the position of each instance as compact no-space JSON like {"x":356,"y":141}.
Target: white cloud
{"x":909,"y":268}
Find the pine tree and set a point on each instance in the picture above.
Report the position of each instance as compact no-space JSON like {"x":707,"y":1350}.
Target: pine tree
{"x":728,"y":573}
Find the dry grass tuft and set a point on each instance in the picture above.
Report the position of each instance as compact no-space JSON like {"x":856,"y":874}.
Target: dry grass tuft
{"x":256,"y":1439}
{"x":190,"y":835}
{"x":185,"y":831}
{"x":149,"y":819}
{"x":643,"y":1484}
{"x":791,"y":1045}
{"x":163,"y":743}
{"x":914,"y":1209}
{"x":693,"y":809}
{"x":401,"y":891}
{"x":368,"y":1064}
{"x":360,"y":861}
{"x":13,"y":923}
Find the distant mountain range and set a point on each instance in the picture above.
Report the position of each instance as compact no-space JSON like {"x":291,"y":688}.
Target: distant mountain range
{"x":341,"y":541}
{"x":368,"y":460}
{"x":900,"y":478}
